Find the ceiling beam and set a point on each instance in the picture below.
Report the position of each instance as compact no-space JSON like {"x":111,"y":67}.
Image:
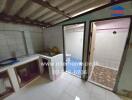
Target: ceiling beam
{"x":15,"y":19}
{"x":8,"y":6}
{"x":49,"y":6}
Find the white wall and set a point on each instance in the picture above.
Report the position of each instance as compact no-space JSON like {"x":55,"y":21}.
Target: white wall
{"x":74,"y":42}
{"x":108,"y":46}
{"x":37,"y":41}
{"x":11,"y":39}
{"x":53,"y":37}
{"x":126,"y":77}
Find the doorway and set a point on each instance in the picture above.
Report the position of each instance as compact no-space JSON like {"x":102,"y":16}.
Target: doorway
{"x":73,"y":46}
{"x":108,"y":41}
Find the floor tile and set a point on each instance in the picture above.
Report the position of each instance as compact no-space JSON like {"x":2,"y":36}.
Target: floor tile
{"x":67,"y":87}
{"x":65,"y":96}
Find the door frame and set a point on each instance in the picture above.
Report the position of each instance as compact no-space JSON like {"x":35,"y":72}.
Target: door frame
{"x":123,"y":59}
{"x":64,"y":49}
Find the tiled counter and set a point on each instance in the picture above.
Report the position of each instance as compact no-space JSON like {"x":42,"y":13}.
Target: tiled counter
{"x":54,"y":69}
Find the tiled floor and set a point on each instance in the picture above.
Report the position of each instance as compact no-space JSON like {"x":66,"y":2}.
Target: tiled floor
{"x":104,"y":76}
{"x":74,"y":66}
{"x":67,"y":87}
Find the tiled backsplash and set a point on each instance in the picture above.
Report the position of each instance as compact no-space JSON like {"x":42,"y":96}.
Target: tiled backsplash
{"x":11,"y":41}
{"x":13,"y":38}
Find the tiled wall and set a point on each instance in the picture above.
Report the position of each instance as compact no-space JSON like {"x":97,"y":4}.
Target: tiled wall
{"x":11,"y":41}
{"x":13,"y":37}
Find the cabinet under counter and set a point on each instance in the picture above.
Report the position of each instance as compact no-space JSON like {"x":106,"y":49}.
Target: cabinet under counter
{"x":27,"y":72}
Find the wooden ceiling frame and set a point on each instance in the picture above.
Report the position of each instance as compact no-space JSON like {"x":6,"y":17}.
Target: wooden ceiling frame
{"x":49,"y":6}
{"x":5,"y":17}
{"x":16,"y":19}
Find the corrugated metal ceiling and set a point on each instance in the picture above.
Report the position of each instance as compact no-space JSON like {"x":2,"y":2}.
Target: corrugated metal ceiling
{"x":47,"y":12}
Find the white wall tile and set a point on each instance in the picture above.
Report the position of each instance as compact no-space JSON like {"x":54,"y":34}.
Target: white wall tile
{"x":11,"y":39}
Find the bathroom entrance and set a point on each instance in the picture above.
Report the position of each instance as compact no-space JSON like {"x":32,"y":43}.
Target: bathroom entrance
{"x":108,"y":44}
{"x":73,"y":46}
